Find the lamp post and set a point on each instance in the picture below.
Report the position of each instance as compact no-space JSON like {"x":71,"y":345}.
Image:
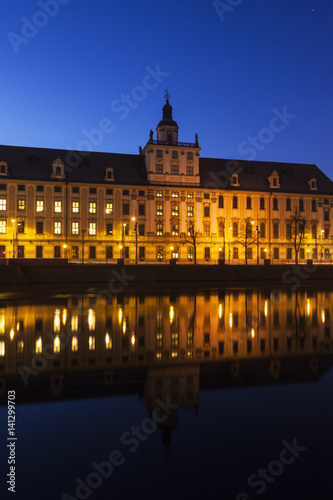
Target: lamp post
{"x":224,"y":240}
{"x":229,"y":242}
{"x":321,"y":252}
{"x":83,"y":231}
{"x":13,"y":221}
{"x":123,"y":242}
{"x":136,"y":238}
{"x":258,"y":232}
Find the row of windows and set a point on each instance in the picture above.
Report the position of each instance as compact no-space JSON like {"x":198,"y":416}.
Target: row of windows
{"x":174,"y":154}
{"x":58,"y":206}
{"x":275,"y":204}
{"x":174,"y":169}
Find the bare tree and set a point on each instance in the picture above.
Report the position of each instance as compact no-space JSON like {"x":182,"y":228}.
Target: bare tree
{"x":298,"y":225}
{"x":246,"y":237}
{"x":192,"y":236}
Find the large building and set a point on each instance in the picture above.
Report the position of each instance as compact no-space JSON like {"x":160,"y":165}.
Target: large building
{"x":165,"y":202}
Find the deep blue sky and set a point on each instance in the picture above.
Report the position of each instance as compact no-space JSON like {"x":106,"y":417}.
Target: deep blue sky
{"x":225,"y":76}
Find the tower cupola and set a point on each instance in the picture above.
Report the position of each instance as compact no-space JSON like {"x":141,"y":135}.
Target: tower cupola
{"x":167,"y":129}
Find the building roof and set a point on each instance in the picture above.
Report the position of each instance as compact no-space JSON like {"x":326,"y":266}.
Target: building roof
{"x":36,"y":164}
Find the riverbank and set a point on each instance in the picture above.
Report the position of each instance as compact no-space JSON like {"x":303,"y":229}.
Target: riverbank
{"x":57,"y":272}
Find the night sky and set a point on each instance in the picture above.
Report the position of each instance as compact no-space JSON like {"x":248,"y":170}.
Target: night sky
{"x":231,"y":67}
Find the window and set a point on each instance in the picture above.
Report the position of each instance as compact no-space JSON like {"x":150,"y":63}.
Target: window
{"x":235,"y":253}
{"x":174,"y":169}
{"x":314,"y":231}
{"x":275,"y":230}
{"x":109,"y":208}
{"x":57,"y":254}
{"x":92,"y":207}
{"x":3,"y":204}
{"x":326,"y":233}
{"x":3,"y":187}
{"x":39,"y":206}
{"x":326,"y":216}
{"x":175,"y":154}
{"x":125,"y":209}
{"x":109,"y":252}
{"x":288,"y":230}
{"x":206,"y":196}
{"x":189,"y":170}
{"x":57,"y":189}
{"x":289,"y":253}
{"x":21,"y":204}
{"x":275,"y":253}
{"x":301,"y":205}
{"x":288,"y":205}
{"x":142,"y":253}
{"x":206,"y":211}
{"x":190,"y":156}
{"x":159,"y":194}
{"x":159,"y":209}
{"x":20,"y":252}
{"x":313,"y":206}
{"x":262,"y":204}
{"x":190,"y":253}
{"x":175,"y":194}
{"x":159,"y":153}
{"x":57,"y":206}
{"x":57,"y":228}
{"x":92,"y":252}
{"x":21,"y":187}
{"x":75,"y":252}
{"x":175,"y":253}
{"x":39,"y":227}
{"x":207,"y":253}
{"x":175,"y":230}
{"x":39,"y":252}
{"x":206,"y":230}
{"x":235,"y":229}
{"x":325,"y":201}
{"x":301,"y":253}
{"x":75,"y":190}
{"x":189,"y":211}
{"x":190,"y":194}
{"x":92,"y":228}
{"x":159,"y":168}
{"x":262,"y":231}
{"x":20,"y":226}
{"x":109,"y":192}
{"x":142,"y":209}
{"x":75,"y":228}
{"x":275,"y":204}
{"x":221,"y":229}
{"x":92,"y":191}
{"x":2,"y":226}
{"x":235,"y":202}
{"x":75,"y":207}
{"x":314,"y":253}
{"x":249,"y":253}
{"x":159,"y":229}
{"x":126,"y":252}
{"x":141,"y":229}
{"x":262,"y":253}
{"x":109,"y":228}
{"x":248,"y":203}
{"x":159,"y":253}
{"x":221,"y":201}
{"x":175,"y":210}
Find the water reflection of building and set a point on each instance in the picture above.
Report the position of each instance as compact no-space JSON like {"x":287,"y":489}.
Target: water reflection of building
{"x":165,"y":339}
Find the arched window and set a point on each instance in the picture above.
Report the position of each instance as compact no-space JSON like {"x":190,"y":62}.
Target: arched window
{"x":275,"y":204}
{"x":275,"y":230}
{"x":248,"y":203}
{"x":235,"y":202}
{"x":314,"y":206}
{"x":288,"y":230}
{"x":262,"y":230}
{"x":262,"y":203}
{"x":221,"y":202}
{"x":221,"y":229}
{"x":288,"y":205}
{"x":314,"y":231}
{"x":235,"y":229}
{"x":301,"y":205}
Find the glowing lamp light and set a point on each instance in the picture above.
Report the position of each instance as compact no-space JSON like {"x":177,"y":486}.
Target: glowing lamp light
{"x":266,"y":308}
{"x":220,"y":311}
{"x":120,"y":315}
{"x":308,"y":307}
{"x":171,"y":314}
{"x":64,"y":316}
{"x":252,"y":333}
{"x":230,"y":320}
{"x":133,"y":339}
{"x":11,"y":334}
{"x":323,"y":316}
{"x":124,"y":326}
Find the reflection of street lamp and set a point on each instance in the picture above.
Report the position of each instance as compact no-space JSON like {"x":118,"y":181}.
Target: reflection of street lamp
{"x":13,"y":221}
{"x":65,"y":249}
{"x":123,"y":244}
{"x":136,"y":238}
{"x":171,"y":248}
{"x":230,"y":228}
{"x":83,"y":231}
{"x":321,"y":254}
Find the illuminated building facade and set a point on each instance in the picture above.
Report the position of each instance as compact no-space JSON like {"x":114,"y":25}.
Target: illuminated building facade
{"x":151,"y":207}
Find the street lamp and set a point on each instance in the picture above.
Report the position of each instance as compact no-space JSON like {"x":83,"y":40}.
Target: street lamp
{"x":13,"y":221}
{"x":123,"y":242}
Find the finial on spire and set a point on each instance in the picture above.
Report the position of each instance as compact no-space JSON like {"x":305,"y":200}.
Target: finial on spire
{"x":167,"y":95}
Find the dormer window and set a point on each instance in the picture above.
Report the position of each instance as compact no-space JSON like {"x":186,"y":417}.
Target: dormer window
{"x":109,"y":174}
{"x":234,"y":180}
{"x":274,"y":180}
{"x":313,"y":184}
{"x":58,"y":171}
{"x":3,"y":168}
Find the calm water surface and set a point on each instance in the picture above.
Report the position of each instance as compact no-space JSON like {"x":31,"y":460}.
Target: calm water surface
{"x":219,"y":393}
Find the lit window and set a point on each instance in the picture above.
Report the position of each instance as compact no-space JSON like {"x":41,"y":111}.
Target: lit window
{"x":20,"y":347}
{"x":91,"y":319}
{"x":175,"y":194}
{"x":91,"y":343}
{"x":75,"y":228}
{"x":38,"y":346}
{"x":21,"y":204}
{"x":92,"y":228}
{"x":57,"y":228}
{"x":56,"y":321}
{"x":159,"y":210}
{"x":175,"y":230}
{"x":2,"y":226}
{"x":159,"y":229}
{"x":74,"y":322}
{"x":109,"y":208}
{"x":75,"y":344}
{"x":175,"y":210}
{"x":3,"y":204}
{"x":206,"y":230}
{"x":56,"y":344}
{"x":92,"y":207}
{"x":190,"y":194}
{"x":39,"y":206}
{"x":57,"y":206}
{"x":189,"y":211}
{"x":190,"y":253}
{"x":75,"y":207}
{"x":159,"y":194}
